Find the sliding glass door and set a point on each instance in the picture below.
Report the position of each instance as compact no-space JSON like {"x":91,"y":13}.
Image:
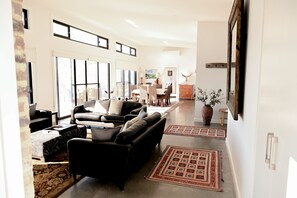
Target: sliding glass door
{"x":125,"y":80}
{"x":79,"y":81}
{"x":65,"y":79}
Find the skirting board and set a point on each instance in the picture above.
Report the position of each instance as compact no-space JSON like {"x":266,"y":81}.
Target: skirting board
{"x":237,"y":191}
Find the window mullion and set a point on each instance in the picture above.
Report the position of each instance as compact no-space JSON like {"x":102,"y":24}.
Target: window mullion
{"x":74,"y":82}
{"x":86,"y":81}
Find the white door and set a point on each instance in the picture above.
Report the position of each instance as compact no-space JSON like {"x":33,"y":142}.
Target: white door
{"x":277,"y":110}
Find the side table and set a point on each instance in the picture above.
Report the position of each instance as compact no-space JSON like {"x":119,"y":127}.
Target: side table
{"x":223,"y":113}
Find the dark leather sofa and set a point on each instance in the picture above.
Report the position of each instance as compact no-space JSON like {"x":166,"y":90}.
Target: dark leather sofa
{"x":81,"y":113}
{"x":115,"y":159}
{"x":39,"y":119}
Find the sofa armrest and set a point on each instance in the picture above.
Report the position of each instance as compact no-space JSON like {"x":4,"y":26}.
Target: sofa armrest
{"x":112,"y":118}
{"x":86,"y":153}
{"x":77,"y":109}
{"x":103,"y":159}
{"x":136,"y":111}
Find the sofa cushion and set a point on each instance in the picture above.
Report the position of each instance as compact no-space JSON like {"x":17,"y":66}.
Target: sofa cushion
{"x":128,"y":106}
{"x":129,"y":123}
{"x":125,"y":137}
{"x":32,"y":110}
{"x":95,"y":124}
{"x":153,"y":118}
{"x":104,"y":134}
{"x":112,"y":118}
{"x":39,"y":121}
{"x":101,"y":106}
{"x":87,"y":116}
{"x":115,"y":107}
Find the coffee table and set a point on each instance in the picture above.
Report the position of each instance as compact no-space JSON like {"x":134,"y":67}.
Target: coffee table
{"x":54,"y":139}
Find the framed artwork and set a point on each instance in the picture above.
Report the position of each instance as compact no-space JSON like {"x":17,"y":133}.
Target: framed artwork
{"x":169,"y":73}
{"x":150,"y":74}
{"x":235,"y":59}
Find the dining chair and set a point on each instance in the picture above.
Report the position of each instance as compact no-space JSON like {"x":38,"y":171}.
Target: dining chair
{"x":152,"y":94}
{"x":143,"y":96}
{"x":168,"y":91}
{"x":165,"y":98}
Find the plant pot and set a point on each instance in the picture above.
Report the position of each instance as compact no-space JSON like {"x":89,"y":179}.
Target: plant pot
{"x":207,"y":112}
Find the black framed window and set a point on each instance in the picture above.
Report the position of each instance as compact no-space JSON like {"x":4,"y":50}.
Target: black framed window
{"x":79,"y":81}
{"x":25,"y":18}
{"x":125,"y":49}
{"x":66,"y":31}
{"x":61,"y":30}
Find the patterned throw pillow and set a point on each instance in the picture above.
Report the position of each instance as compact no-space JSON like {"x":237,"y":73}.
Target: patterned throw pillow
{"x":115,"y":107}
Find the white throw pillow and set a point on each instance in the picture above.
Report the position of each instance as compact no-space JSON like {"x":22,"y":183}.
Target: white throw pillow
{"x":101,"y":106}
{"x":115,"y":107}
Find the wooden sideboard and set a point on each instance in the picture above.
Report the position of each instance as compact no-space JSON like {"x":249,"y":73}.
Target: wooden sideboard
{"x":185,"y":91}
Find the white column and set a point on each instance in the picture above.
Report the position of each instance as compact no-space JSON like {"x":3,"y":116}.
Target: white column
{"x":11,"y":171}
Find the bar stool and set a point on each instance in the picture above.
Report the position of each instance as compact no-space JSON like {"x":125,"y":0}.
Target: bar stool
{"x":223,"y":115}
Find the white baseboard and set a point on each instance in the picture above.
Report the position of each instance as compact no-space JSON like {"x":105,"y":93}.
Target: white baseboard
{"x":237,"y":191}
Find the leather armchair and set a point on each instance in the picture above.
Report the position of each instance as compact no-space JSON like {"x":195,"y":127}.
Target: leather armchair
{"x":41,"y":120}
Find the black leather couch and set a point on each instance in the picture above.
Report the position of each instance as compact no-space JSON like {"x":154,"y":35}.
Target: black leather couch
{"x":39,"y":119}
{"x":80,"y":114}
{"x":123,"y":153}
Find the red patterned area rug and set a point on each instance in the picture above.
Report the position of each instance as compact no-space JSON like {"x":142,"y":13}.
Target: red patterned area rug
{"x":52,"y":178}
{"x":189,"y":167}
{"x":195,"y":131}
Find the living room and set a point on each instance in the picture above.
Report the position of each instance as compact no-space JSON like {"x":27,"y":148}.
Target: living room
{"x":263,"y":103}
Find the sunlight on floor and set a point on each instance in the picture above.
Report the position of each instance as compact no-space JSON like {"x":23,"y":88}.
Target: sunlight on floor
{"x":292,"y":179}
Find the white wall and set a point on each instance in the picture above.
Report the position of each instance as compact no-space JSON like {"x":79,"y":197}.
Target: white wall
{"x":211,"y":48}
{"x":242,"y":134}
{"x":162,"y":59}
{"x":269,"y":101}
{"x":42,"y":47}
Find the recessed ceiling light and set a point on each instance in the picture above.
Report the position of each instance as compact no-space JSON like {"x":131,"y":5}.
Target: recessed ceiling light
{"x":165,"y":42}
{"x":131,"y":23}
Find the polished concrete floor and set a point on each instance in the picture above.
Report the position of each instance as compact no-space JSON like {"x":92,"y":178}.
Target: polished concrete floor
{"x":137,"y":186}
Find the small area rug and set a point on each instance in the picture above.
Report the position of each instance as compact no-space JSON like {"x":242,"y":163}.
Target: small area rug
{"x":195,"y":131}
{"x":190,"y":167}
{"x":52,"y":178}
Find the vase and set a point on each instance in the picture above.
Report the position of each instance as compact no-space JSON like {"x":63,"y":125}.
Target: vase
{"x":207,"y":112}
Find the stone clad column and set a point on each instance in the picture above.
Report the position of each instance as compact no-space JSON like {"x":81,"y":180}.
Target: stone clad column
{"x":20,"y":59}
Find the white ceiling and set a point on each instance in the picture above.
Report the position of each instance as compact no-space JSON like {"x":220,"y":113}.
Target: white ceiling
{"x":167,"y":23}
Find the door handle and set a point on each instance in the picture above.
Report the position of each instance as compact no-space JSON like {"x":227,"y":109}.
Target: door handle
{"x":271,"y":147}
{"x":268,"y":147}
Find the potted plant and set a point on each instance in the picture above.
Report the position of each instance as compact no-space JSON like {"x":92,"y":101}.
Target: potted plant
{"x":209,"y":99}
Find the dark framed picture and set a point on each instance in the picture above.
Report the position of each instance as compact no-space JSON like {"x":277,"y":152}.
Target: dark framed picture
{"x":169,"y":73}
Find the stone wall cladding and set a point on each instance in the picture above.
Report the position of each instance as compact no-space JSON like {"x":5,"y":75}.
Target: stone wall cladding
{"x":20,"y":59}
